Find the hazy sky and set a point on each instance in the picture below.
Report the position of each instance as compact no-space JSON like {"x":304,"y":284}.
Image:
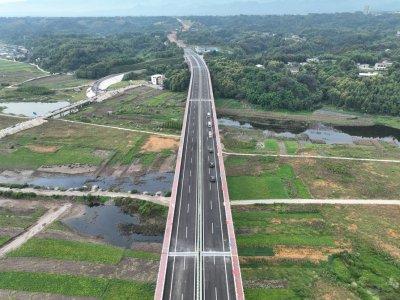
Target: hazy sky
{"x":182,"y":7}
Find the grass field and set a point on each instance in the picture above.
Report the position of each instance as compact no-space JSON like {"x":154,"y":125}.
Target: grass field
{"x":16,"y":72}
{"x":20,"y":95}
{"x":75,"y":285}
{"x":142,"y":108}
{"x":271,"y":178}
{"x":58,"y":142}
{"x":57,"y":82}
{"x":3,"y":239}
{"x":318,"y":252}
{"x":19,"y":219}
{"x":263,"y":178}
{"x":77,"y":251}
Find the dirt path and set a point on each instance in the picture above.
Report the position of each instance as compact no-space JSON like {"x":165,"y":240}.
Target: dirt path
{"x":124,"y":129}
{"x":316,"y":157}
{"x":41,"y":224}
{"x":50,"y":193}
{"x":318,"y":201}
{"x":282,"y":148}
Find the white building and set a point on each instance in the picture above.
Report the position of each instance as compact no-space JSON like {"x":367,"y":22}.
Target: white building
{"x":365,"y":67}
{"x":260,"y":66}
{"x":157,"y":79}
{"x":382,"y":66}
{"x":368,"y":74}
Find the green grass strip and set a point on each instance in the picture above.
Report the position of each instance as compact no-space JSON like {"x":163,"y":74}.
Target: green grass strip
{"x":69,"y":250}
{"x":69,"y":285}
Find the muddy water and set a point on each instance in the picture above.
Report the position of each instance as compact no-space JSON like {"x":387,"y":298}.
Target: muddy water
{"x":152,"y":182}
{"x":31,"y":109}
{"x":106,"y":222}
{"x":320,"y":132}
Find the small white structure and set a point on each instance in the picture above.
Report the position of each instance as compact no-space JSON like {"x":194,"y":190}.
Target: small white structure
{"x":313,"y":60}
{"x":157,"y":79}
{"x":260,"y":66}
{"x":368,"y":74}
{"x":398,"y":33}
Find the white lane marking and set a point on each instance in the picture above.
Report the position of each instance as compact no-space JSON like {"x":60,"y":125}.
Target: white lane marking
{"x":182,"y":297}
{"x":190,"y":172}
{"x":191,"y":160}
{"x":184,"y":262}
{"x":188,"y":208}
{"x":189,"y":188}
{"x":211,"y":204}
{"x":210,"y":186}
{"x":212,"y":227}
{"x":186,"y":232}
{"x":209,"y":171}
{"x":214,"y":260}
{"x":172,"y":280}
{"x":216,"y":293}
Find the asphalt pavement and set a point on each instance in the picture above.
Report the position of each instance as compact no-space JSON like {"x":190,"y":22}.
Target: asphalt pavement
{"x":199,"y":258}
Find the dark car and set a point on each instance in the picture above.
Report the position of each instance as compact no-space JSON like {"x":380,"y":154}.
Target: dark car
{"x":211,"y":150}
{"x":212,"y":179}
{"x":212,"y":164}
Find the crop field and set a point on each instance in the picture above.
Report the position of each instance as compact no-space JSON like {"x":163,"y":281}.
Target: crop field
{"x":60,"y":143}
{"x":142,"y":108}
{"x":318,"y":252}
{"x":17,"y":72}
{"x":263,"y":178}
{"x":57,"y":82}
{"x":275,"y":178}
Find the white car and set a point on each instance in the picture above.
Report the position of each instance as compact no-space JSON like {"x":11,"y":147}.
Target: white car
{"x":210,"y":134}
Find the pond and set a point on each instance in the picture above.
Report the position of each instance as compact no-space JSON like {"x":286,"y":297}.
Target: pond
{"x":151,"y":182}
{"x":31,"y":109}
{"x":107,"y":222}
{"x":319,"y":132}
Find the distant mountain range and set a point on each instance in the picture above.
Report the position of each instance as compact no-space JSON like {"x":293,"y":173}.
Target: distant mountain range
{"x":194,"y":7}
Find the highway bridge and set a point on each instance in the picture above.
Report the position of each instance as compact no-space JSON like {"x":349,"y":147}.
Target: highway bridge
{"x":199,"y":258}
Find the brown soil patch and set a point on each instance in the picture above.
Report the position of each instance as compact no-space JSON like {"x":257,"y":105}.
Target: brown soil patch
{"x":43,"y":149}
{"x":393,"y":233}
{"x":102,"y":153}
{"x":328,"y":291}
{"x":393,"y":251}
{"x":68,"y":169}
{"x":304,"y":253}
{"x":157,"y":144}
{"x":127,"y":269}
{"x":276,"y":221}
{"x":352,"y":228}
{"x":168,"y":165}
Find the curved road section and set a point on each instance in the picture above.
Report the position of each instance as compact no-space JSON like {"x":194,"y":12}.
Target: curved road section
{"x":199,"y":258}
